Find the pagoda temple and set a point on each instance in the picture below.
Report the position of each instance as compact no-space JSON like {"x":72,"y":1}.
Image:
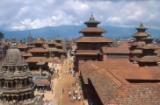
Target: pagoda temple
{"x":16,"y":86}
{"x":89,"y":45}
{"x":142,"y":49}
{"x":140,"y":38}
{"x":55,"y":48}
{"x":39,"y":55}
{"x":149,"y":56}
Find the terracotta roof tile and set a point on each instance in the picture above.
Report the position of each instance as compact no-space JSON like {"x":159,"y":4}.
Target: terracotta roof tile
{"x":149,"y":59}
{"x":38,"y":50}
{"x":136,"y":51}
{"x":87,"y":52}
{"x":109,"y":79}
{"x":36,"y":59}
{"x":141,"y":34}
{"x":26,"y":54}
{"x":94,"y":40}
{"x":139,"y":44}
{"x":39,"y":41}
{"x":21,"y":46}
{"x":122,"y":49}
{"x":92,"y":30}
{"x":56,"y":50}
{"x":150,"y":46}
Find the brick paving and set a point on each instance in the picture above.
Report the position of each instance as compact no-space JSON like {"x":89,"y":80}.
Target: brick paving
{"x":64,"y":85}
{"x":61,"y":87}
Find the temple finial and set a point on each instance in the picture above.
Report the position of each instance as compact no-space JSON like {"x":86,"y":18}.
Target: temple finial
{"x":141,"y":25}
{"x":92,"y":17}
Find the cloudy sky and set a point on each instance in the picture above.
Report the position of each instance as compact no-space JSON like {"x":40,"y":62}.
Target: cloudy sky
{"x":29,"y":14}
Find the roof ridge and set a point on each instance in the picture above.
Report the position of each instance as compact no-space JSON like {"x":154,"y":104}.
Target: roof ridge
{"x":110,"y":75}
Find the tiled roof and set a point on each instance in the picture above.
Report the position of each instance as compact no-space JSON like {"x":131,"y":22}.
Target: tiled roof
{"x":39,"y":41}
{"x":59,"y":44}
{"x":26,"y":54}
{"x":121,"y":49}
{"x":55,"y":60}
{"x":149,"y":58}
{"x":87,"y":52}
{"x":21,"y":46}
{"x":56,"y":50}
{"x":109,"y":79}
{"x":51,"y":42}
{"x":38,"y":50}
{"x":94,"y":40}
{"x":105,"y":84}
{"x":151,"y":46}
{"x":136,"y":51}
{"x":158,"y":52}
{"x":144,"y":94}
{"x":36,"y":59}
{"x":92,"y":30}
{"x":141,"y":34}
{"x":139,"y":44}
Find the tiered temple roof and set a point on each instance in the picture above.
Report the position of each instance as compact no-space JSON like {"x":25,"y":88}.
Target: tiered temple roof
{"x":142,"y":41}
{"x":39,"y":41}
{"x":141,"y":32}
{"x":92,"y":33}
{"x":149,"y":55}
{"x":92,"y":38}
{"x":145,"y":43}
{"x":55,"y":47}
{"x":22,"y":46}
{"x":38,"y":50}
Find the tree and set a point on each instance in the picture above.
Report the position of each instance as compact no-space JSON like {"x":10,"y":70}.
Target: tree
{"x":1,"y":35}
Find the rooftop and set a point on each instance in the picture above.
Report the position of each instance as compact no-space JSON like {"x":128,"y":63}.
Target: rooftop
{"x":26,"y":54}
{"x":21,"y":46}
{"x":93,"y":40}
{"x":151,"y":46}
{"x":39,"y":41}
{"x":122,"y":48}
{"x":116,"y":83}
{"x":38,"y":50}
{"x":92,"y":30}
{"x":149,"y":59}
{"x":87,"y":52}
{"x":36,"y":59}
{"x":141,"y":34}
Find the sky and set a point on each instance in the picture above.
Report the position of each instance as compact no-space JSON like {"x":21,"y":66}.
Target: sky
{"x":33,"y":14}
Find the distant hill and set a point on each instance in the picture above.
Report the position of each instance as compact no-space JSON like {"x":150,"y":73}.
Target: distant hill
{"x":70,"y":31}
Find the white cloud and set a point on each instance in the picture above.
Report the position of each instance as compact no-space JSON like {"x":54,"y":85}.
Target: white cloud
{"x":39,"y":23}
{"x":115,"y":19}
{"x":20,"y":15}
